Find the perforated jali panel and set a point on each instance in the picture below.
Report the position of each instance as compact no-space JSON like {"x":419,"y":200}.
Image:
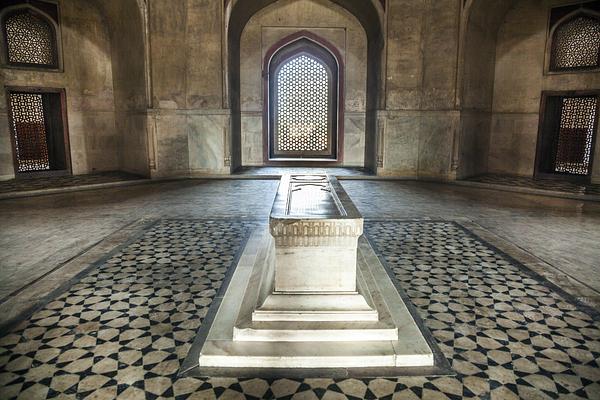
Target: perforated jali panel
{"x":575,"y":137}
{"x":576,"y":44}
{"x":302,"y":106}
{"x":29,"y":131}
{"x":30,"y":40}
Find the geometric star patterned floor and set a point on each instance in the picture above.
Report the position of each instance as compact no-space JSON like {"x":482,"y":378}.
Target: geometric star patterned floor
{"x":124,"y":329}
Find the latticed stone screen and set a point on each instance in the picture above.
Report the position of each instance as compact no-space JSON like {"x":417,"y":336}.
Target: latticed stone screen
{"x":576,"y":133}
{"x":30,"y":40}
{"x":302,"y":115}
{"x":576,"y":44}
{"x":29,"y":129}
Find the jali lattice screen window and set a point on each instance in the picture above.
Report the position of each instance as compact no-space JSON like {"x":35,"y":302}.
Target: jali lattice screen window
{"x":30,"y":40}
{"x":575,"y":135}
{"x":303,"y":102}
{"x":576,"y":44}
{"x":302,"y":106}
{"x":29,"y":130}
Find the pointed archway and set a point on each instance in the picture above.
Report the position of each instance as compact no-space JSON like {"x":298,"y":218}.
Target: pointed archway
{"x":368,"y":13}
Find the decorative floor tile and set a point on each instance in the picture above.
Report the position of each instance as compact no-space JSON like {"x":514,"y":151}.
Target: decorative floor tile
{"x":123,"y":330}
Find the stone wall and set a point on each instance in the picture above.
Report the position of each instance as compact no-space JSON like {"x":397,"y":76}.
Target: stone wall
{"x":518,"y":85}
{"x":127,"y":30}
{"x":420,"y":121}
{"x":480,"y":22}
{"x":148,"y":92}
{"x":188,"y":122}
{"x":87,"y":79}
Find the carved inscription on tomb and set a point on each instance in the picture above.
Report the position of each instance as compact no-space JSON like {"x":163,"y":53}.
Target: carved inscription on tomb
{"x":316,"y":232}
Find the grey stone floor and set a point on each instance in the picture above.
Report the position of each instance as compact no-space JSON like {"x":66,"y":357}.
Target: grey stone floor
{"x":564,"y":233}
{"x":39,"y":233}
{"x":42,"y":232}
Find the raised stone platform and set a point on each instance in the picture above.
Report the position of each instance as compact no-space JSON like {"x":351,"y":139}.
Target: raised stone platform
{"x":311,"y":293}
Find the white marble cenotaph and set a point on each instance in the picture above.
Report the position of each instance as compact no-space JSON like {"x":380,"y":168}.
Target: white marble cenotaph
{"x":311,"y":293}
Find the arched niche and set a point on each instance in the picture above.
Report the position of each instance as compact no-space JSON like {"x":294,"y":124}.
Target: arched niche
{"x":525,"y":93}
{"x":368,"y":13}
{"x":332,"y":27}
{"x":308,"y":52}
{"x":86,"y":81}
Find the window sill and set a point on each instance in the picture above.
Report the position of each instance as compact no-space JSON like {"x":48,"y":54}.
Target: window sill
{"x":573,"y":71}
{"x":32,"y":69}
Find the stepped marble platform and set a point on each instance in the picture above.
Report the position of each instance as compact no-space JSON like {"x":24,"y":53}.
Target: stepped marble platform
{"x":311,"y":293}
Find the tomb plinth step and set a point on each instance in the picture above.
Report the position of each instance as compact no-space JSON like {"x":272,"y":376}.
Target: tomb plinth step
{"x":229,"y":354}
{"x":316,"y":331}
{"x":221,"y":350}
{"x":315,"y":307}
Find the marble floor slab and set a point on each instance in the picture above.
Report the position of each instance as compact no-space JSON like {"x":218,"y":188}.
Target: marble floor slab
{"x":278,"y":171}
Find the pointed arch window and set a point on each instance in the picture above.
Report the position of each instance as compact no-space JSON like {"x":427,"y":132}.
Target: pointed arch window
{"x":303,"y":102}
{"x":576,"y":43}
{"x":30,"y":39}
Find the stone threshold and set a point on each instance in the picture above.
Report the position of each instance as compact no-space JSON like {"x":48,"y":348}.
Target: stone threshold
{"x":526,"y":190}
{"x":74,"y":188}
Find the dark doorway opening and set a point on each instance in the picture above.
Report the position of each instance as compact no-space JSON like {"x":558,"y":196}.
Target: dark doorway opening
{"x":567,"y":136}
{"x":38,"y":134}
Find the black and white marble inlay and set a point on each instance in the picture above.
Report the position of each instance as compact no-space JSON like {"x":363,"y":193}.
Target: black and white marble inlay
{"x":123,"y":330}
